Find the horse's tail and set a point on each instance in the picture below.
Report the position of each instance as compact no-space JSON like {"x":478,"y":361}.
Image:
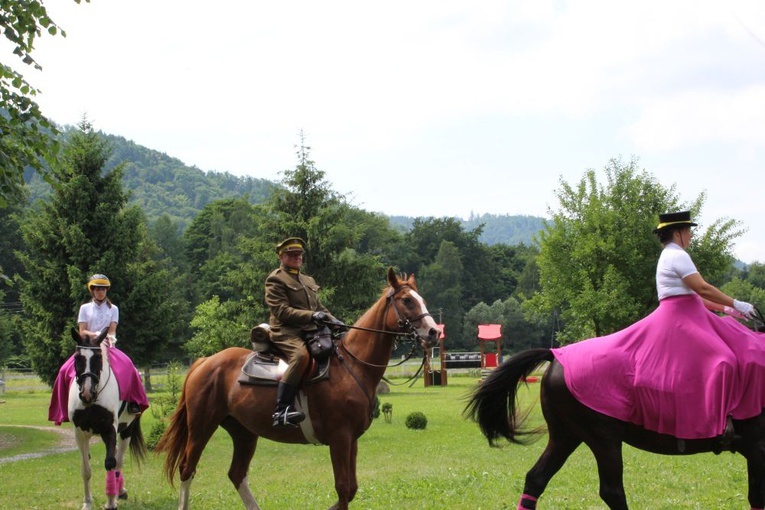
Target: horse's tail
{"x":138,"y":448}
{"x":493,"y":403}
{"x":175,"y":437}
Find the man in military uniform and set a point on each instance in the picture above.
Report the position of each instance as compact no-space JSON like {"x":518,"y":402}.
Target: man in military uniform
{"x":293,"y":300}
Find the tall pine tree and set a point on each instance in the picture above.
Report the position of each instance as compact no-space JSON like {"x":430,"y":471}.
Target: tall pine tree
{"x":86,"y":228}
{"x":309,"y":208}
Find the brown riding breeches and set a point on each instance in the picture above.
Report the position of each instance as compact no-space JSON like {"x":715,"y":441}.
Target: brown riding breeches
{"x":297,"y":359}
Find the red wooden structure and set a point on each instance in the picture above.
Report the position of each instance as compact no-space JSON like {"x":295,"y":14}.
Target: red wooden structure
{"x":436,"y":377}
{"x":490,"y":333}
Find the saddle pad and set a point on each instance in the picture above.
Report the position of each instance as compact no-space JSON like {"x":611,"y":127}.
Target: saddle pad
{"x":267,"y":371}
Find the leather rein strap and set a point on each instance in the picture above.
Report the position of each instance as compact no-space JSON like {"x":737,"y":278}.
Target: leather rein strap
{"x":404,"y":323}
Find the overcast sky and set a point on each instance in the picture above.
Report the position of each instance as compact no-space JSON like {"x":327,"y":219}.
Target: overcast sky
{"x":431,"y":108}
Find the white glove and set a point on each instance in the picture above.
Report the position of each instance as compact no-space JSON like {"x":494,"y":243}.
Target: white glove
{"x":746,"y":309}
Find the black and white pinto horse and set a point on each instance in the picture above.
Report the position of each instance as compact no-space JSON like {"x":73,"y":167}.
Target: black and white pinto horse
{"x":95,"y":409}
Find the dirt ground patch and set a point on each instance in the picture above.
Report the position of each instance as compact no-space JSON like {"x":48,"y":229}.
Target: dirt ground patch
{"x":65,"y":443}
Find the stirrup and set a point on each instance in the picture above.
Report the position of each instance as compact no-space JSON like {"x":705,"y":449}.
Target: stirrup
{"x":287,"y":417}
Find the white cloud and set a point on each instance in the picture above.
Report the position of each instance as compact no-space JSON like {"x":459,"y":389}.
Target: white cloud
{"x":693,"y":118}
{"x":459,"y":105}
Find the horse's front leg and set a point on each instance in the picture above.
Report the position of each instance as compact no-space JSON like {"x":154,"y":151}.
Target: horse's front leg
{"x":109,"y":437}
{"x":122,"y":447}
{"x":83,"y":443}
{"x":343,"y":454}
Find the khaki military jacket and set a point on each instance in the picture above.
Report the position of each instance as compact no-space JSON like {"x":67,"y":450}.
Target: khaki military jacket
{"x":292,"y":299}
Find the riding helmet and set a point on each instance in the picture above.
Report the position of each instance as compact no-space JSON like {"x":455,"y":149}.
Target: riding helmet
{"x":98,"y":280}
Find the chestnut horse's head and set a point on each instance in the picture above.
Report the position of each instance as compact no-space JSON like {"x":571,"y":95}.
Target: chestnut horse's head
{"x":410,"y":314}
{"x":88,"y":365}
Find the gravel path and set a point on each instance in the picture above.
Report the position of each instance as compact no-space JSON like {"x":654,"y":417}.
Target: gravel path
{"x":66,"y":442}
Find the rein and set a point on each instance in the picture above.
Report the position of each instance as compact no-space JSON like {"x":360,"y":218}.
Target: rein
{"x":404,"y":323}
{"x":758,"y":317}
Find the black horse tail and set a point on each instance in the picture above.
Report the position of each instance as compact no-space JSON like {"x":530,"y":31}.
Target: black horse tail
{"x":176,"y":436}
{"x":493,"y":403}
{"x":138,"y":449}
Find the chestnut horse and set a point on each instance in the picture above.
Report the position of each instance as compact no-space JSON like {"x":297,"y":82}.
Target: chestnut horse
{"x":340,"y":407}
{"x":570,"y":423}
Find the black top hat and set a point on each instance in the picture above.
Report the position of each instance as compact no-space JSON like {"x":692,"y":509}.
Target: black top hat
{"x":675,"y":220}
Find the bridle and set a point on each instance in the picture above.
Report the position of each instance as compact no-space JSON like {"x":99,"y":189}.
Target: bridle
{"x":94,"y":377}
{"x":406,"y":329}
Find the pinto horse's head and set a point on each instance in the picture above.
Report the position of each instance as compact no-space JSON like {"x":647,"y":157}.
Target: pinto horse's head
{"x":88,"y":365}
{"x":410,"y":309}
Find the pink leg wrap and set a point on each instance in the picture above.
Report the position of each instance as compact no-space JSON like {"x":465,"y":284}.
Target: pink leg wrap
{"x":112,"y":486}
{"x":120,"y":481}
{"x":527,"y":502}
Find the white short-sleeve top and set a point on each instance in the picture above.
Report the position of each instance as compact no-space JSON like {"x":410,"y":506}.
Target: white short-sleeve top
{"x":674,"y":265}
{"x":98,"y":316}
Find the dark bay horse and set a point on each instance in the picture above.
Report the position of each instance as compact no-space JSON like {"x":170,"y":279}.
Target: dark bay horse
{"x":340,"y":408}
{"x":95,"y":408}
{"x":494,"y":406}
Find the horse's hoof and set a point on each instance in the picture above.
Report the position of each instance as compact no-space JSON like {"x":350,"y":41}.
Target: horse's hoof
{"x":123,"y":495}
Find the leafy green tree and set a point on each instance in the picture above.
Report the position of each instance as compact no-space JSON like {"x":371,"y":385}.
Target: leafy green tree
{"x":442,"y":284}
{"x":6,"y":326}
{"x":483,"y":279}
{"x":10,"y":242}
{"x":27,"y":137}
{"x":755,"y":274}
{"x":212,"y":244}
{"x":598,"y":254}
{"x":519,"y":330}
{"x":85,"y":228}
{"x":168,"y":237}
{"x":307,"y":206}
{"x":745,"y":290}
{"x":528,"y":277}
{"x":216,"y":328}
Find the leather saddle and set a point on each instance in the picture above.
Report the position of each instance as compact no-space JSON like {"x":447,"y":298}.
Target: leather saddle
{"x":266,"y":365}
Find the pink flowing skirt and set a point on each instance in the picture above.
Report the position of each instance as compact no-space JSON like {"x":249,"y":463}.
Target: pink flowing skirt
{"x":680,"y":371}
{"x":128,"y":378}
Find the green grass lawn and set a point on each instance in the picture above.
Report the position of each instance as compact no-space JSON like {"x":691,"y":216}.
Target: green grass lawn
{"x":447,"y":465}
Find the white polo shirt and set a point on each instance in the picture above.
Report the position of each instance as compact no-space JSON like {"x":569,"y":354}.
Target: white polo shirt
{"x":98,"y":316}
{"x":674,"y":265}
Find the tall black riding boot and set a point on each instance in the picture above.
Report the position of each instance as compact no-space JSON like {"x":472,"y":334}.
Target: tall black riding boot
{"x":285,"y":415}
{"x":724,"y":441}
{"x":727,"y":436}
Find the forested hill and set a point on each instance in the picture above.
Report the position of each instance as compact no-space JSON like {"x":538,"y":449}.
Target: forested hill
{"x":161,"y":184}
{"x":497,"y":228}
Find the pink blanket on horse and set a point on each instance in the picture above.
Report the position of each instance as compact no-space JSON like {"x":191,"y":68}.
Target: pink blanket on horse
{"x":128,"y":378}
{"x":680,"y":371}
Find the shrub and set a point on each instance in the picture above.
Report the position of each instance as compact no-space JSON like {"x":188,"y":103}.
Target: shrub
{"x":416,"y":420}
{"x":162,"y":406}
{"x":174,"y":379}
{"x":155,"y":434}
{"x":387,"y":409}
